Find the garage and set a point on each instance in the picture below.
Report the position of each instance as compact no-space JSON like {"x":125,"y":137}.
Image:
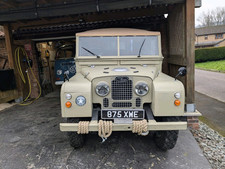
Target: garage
{"x":40,"y":37}
{"x":37,"y":25}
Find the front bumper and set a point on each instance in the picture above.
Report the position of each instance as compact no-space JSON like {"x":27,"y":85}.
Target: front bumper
{"x":152,"y":126}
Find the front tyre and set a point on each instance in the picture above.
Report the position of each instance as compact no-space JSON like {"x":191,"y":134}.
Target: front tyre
{"x":76,"y":140}
{"x":166,"y":140}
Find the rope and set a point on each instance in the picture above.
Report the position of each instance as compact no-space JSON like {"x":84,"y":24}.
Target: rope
{"x":83,"y":127}
{"x":104,"y":128}
{"x":140,"y":126}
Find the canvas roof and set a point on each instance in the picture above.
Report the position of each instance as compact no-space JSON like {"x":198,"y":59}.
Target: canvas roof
{"x":117,"y":32}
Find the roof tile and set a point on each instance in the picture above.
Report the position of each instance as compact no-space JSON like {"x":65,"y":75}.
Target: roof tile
{"x":210,"y":30}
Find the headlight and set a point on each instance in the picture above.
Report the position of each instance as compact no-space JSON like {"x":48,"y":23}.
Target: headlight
{"x":177,"y":95}
{"x":59,"y":72}
{"x":80,"y":100}
{"x":102,"y":89}
{"x":68,"y":96}
{"x":141,"y":89}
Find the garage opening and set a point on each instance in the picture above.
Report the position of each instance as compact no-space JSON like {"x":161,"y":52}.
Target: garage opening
{"x":55,"y":59}
{"x":54,"y":56}
{"x":42,"y":31}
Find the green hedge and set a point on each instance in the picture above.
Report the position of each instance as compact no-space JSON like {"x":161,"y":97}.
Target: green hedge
{"x":209,"y":54}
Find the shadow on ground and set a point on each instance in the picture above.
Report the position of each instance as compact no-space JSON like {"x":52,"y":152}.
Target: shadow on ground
{"x":30,"y":138}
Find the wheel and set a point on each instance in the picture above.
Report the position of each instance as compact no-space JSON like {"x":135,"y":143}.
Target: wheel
{"x":166,"y":140}
{"x":76,"y":140}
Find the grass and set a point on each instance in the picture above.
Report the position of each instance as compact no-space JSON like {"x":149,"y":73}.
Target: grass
{"x":212,"y":65}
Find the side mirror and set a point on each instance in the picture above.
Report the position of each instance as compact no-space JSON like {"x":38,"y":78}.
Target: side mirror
{"x":66,"y":75}
{"x":182,"y":71}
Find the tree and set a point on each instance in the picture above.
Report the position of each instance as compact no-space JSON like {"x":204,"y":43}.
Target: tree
{"x":212,"y":17}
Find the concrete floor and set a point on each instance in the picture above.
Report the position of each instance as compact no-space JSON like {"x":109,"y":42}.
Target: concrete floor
{"x":30,"y":138}
{"x":213,"y":112}
{"x":6,"y":105}
{"x":210,"y":83}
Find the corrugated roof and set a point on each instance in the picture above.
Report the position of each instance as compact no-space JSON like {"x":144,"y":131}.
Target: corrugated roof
{"x":18,"y":10}
{"x":89,"y":25}
{"x":210,"y":30}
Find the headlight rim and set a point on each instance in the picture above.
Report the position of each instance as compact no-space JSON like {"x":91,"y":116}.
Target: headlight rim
{"x":77,"y":99}
{"x":59,"y":72}
{"x":102,"y":83}
{"x":141,"y":83}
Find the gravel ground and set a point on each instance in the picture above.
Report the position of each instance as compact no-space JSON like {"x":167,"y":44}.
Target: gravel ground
{"x":212,"y":145}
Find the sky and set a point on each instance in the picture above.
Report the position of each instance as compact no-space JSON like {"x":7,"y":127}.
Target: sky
{"x":208,"y":5}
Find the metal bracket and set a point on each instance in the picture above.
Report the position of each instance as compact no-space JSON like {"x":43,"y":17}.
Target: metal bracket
{"x":190,"y":108}
{"x":95,"y":115}
{"x":192,"y":114}
{"x":198,"y":3}
{"x":149,"y":112}
{"x":122,"y":121}
{"x":103,"y":139}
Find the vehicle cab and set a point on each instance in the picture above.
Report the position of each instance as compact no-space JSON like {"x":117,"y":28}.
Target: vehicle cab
{"x":119,"y":86}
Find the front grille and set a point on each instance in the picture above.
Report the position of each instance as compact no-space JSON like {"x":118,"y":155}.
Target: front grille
{"x":122,"y":104}
{"x":138,"y":102}
{"x":122,"y":88}
{"x":106,"y":102}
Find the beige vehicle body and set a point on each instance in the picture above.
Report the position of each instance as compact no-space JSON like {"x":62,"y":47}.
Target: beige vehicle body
{"x":91,"y":71}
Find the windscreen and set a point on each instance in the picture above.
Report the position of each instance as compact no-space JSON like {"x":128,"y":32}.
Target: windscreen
{"x":133,"y":45}
{"x":98,"y":46}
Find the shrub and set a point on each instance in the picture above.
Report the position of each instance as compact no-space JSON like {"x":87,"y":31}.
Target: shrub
{"x":209,"y":54}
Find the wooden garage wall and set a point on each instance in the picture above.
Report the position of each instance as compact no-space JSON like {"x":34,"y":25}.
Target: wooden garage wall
{"x":10,"y":94}
{"x":181,"y":44}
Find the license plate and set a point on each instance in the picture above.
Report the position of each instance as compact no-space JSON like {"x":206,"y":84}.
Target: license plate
{"x":131,"y":114}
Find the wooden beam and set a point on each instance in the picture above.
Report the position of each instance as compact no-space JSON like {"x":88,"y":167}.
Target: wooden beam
{"x":157,"y":2}
{"x":177,"y":60}
{"x":190,"y":50}
{"x":8,"y":95}
{"x":8,"y":41}
{"x":177,"y":41}
{"x":11,"y":94}
{"x":46,"y":1}
{"x":149,"y":11}
{"x":9,"y":48}
{"x":10,"y":4}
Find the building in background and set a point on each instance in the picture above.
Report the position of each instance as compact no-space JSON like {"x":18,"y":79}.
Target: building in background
{"x":212,"y":36}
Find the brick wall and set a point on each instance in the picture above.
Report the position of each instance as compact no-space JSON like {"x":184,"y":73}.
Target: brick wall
{"x":208,"y":38}
{"x":193,"y":122}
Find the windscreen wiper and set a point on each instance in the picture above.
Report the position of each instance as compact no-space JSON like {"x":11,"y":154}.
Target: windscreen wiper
{"x":139,"y":54}
{"x":91,"y":52}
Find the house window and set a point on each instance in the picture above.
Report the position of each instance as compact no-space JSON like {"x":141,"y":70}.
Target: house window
{"x":219,"y":36}
{"x":206,"y":37}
